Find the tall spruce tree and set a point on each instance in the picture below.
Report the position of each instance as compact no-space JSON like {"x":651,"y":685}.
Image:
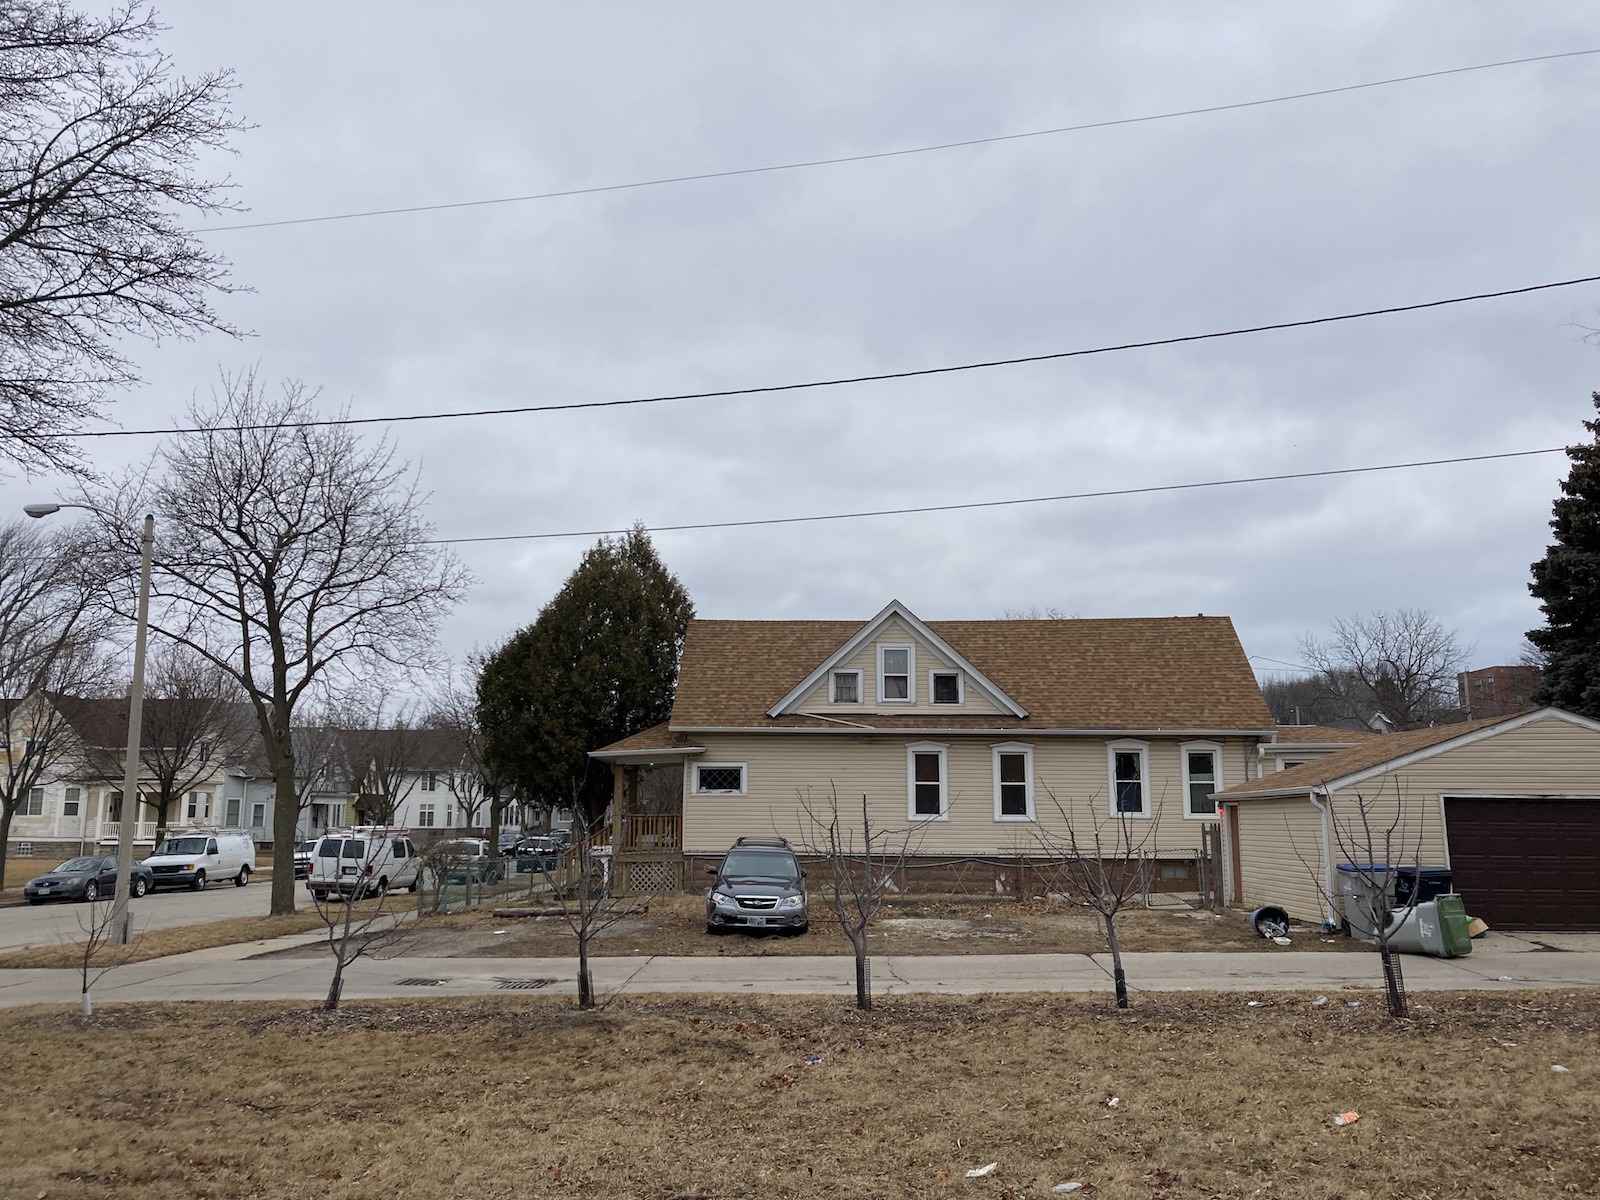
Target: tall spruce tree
{"x":599,"y":663}
{"x":1566,"y":583}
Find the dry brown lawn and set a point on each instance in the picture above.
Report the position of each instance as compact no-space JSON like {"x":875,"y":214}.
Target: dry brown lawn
{"x":720,"y":1097}
{"x":920,"y":925}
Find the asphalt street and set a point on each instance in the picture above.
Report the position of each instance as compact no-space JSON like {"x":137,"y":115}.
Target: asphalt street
{"x":62,"y":920}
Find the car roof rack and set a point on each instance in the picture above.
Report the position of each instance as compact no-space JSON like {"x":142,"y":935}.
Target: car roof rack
{"x":777,"y":842}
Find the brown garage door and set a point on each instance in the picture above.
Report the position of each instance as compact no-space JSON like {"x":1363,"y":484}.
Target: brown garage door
{"x":1527,"y":864}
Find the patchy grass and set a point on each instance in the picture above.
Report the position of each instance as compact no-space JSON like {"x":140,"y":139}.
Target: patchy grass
{"x":160,"y":943}
{"x":714,"y":1097}
{"x":921,"y":925}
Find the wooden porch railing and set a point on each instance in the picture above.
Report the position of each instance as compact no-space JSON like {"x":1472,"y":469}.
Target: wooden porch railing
{"x":642,"y":833}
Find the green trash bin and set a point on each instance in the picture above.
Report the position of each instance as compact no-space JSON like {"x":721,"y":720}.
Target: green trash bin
{"x":1453,"y":922}
{"x":1435,"y":927}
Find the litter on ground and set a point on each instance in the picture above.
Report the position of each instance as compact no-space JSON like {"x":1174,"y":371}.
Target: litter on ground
{"x":980,"y":1172}
{"x":1559,"y":1069}
{"x":1071,"y":1185}
{"x":1347,"y":1118}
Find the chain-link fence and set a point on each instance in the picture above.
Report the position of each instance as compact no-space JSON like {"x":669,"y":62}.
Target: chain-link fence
{"x":505,"y":882}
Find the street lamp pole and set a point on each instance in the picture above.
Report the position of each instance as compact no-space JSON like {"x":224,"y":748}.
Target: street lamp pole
{"x":121,"y":918}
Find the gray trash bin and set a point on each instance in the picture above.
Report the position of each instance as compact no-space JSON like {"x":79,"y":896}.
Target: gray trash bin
{"x":1366,"y":892}
{"x":1437,"y":927}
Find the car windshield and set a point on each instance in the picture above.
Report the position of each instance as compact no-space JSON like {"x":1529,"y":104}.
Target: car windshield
{"x":759,"y":866}
{"x":182,"y":845}
{"x":355,"y":848}
{"x":75,"y":865}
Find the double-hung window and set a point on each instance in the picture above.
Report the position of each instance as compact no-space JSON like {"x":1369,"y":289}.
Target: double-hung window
{"x":34,"y":805}
{"x":425,"y":816}
{"x":927,"y":779}
{"x":1129,"y":767}
{"x":845,"y":687}
{"x":1202,"y":775}
{"x":1013,"y":782}
{"x":896,"y":665}
{"x":70,"y":806}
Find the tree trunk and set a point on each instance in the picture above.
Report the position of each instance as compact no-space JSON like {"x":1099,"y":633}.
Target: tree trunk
{"x":285,"y":816}
{"x":7,"y":811}
{"x":585,"y":982}
{"x":331,"y":1004}
{"x":1394,"y":981}
{"x":1117,"y":977}
{"x":858,"y":940}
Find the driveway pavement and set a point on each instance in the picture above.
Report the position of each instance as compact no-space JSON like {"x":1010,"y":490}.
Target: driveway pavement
{"x":228,"y":973}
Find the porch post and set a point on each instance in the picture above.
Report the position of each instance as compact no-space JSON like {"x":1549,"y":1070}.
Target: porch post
{"x":619,"y":802}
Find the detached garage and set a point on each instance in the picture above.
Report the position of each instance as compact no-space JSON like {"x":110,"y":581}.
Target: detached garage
{"x":1511,"y":805}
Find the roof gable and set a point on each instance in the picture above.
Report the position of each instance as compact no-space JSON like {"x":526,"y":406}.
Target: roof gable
{"x":894,"y":612}
{"x":1132,"y":673}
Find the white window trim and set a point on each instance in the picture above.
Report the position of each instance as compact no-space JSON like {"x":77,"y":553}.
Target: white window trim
{"x":1215,"y":750}
{"x":911,"y":672}
{"x":943,"y":751}
{"x":744,"y":779}
{"x":1024,"y":749}
{"x":1128,"y":746}
{"x":961,"y":686}
{"x":860,"y":686}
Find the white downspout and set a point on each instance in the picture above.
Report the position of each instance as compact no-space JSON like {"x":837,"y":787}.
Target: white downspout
{"x":1330,"y":916}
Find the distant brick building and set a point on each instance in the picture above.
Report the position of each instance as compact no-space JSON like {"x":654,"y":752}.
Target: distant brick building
{"x":1497,"y":691}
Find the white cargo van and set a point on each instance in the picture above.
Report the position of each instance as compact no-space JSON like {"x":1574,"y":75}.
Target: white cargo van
{"x":363,"y":861}
{"x":192,"y":858}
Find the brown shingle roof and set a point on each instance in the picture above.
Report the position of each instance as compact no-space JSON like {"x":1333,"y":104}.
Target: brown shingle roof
{"x":1126,"y":673}
{"x":1344,"y":763}
{"x":1323,"y":735}
{"x":657,"y":737}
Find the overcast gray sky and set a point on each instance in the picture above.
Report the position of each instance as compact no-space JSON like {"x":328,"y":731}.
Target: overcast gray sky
{"x":1441,"y":187}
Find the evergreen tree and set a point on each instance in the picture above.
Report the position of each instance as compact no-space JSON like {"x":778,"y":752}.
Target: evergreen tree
{"x":1566,"y":583}
{"x":599,"y":663}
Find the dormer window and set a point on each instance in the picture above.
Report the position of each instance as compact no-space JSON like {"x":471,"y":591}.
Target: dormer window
{"x":846,"y":687}
{"x":895,"y":665}
{"x":944,"y":687}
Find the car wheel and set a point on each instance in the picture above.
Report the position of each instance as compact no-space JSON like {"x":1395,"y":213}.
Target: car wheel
{"x":716,"y":930}
{"x":198,"y":883}
{"x":242,"y":878}
{"x":34,"y":900}
{"x":91,"y":891}
{"x":138,"y":886}
{"x":382,"y":889}
{"x":318,"y":895}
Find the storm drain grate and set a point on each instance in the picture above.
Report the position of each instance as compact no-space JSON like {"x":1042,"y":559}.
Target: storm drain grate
{"x":419,"y":982}
{"x":523,"y":984}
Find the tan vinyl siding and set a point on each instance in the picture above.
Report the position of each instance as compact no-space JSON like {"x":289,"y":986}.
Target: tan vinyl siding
{"x":865,"y":660}
{"x":1274,"y":836}
{"x":784,"y":768}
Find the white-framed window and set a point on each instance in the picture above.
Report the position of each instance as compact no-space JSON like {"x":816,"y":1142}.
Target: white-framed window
{"x":71,"y":802}
{"x":897,"y":667}
{"x":945,"y":687}
{"x":845,"y":687}
{"x":199,"y":808}
{"x":34,"y":805}
{"x":719,"y":779}
{"x":1013,"y":782}
{"x":1128,"y":765}
{"x":449,"y":816}
{"x":430,"y":782}
{"x":258,"y":816}
{"x":234,"y":804}
{"x":425,"y":816}
{"x":1202,"y":775}
{"x":927,"y":781}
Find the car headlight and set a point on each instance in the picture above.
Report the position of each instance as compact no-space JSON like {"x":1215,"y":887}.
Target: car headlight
{"x":723,"y":898}
{"x":792,"y":902}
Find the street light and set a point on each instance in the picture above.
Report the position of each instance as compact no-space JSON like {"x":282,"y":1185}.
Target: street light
{"x":121,"y":918}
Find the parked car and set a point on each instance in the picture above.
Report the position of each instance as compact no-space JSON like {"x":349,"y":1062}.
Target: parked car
{"x":303,"y":854}
{"x":362,"y":862}
{"x":508,"y":841}
{"x":91,"y":877}
{"x":538,"y":854}
{"x":759,"y":885}
{"x":192,"y":858}
{"x":460,"y":859}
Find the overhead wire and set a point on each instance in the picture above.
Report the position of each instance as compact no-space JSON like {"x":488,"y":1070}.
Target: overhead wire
{"x":837,"y":160}
{"x":843,"y":381}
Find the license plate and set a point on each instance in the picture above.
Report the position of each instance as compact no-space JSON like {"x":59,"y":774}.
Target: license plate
{"x":757,"y":920}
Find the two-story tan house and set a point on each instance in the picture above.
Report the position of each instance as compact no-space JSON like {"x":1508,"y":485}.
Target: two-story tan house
{"x":983,"y":739}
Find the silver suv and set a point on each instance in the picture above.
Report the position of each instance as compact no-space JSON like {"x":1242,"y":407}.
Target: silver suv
{"x":758,"y":886}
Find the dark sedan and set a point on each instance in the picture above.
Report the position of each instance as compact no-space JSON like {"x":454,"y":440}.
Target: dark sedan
{"x":91,"y":877}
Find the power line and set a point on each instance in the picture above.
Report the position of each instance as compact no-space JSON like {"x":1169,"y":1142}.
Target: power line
{"x":901,"y":153}
{"x":976,"y":504}
{"x":918,"y":373}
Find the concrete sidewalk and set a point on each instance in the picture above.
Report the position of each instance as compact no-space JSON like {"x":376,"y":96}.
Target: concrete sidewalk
{"x":226,"y":974}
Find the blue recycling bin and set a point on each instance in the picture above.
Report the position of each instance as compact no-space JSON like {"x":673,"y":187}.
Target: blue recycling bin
{"x":1428,"y":883}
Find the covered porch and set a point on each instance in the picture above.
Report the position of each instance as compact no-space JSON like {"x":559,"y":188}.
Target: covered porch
{"x":646,"y":827}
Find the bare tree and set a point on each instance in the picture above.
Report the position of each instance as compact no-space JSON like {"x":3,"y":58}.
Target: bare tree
{"x":1372,"y":839}
{"x":50,"y":633}
{"x":1105,"y":861}
{"x":862,"y":863}
{"x":99,"y":186}
{"x":358,"y":920}
{"x":318,"y":758}
{"x":102,"y":948}
{"x":289,"y":554}
{"x":580,"y":886}
{"x":454,"y":719}
{"x":1402,"y":664}
{"x":194,"y":721}
{"x":1309,"y":699}
{"x":385,"y":753}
